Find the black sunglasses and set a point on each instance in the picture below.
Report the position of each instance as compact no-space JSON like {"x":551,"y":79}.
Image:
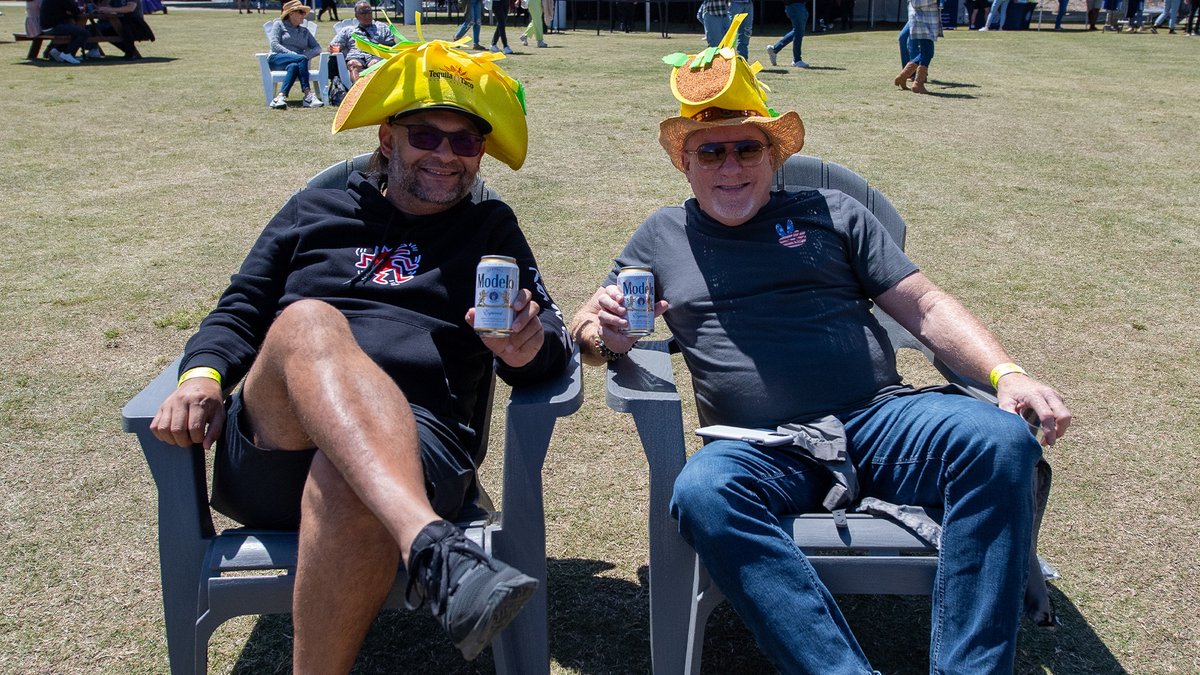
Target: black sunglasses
{"x":425,"y":137}
{"x":362,"y":11}
{"x":712,"y":155}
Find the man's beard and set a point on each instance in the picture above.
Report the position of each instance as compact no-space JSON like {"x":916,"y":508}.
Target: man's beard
{"x":406,"y":178}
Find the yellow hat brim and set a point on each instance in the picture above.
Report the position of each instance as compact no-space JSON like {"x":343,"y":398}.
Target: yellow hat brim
{"x":438,"y":74}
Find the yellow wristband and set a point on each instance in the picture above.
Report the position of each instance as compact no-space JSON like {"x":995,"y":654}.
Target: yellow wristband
{"x":202,"y":371}
{"x":1004,"y":369}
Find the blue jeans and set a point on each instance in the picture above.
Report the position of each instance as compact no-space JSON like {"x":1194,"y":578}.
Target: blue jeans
{"x":1000,"y":6}
{"x":905,"y":54}
{"x":971,"y":459}
{"x":715,"y":26}
{"x":797,"y":13}
{"x":921,"y":51}
{"x":743,"y":39}
{"x":294,"y":66}
{"x":79,"y":36}
{"x":1170,"y":11}
{"x":473,"y":20}
{"x":1062,"y":10}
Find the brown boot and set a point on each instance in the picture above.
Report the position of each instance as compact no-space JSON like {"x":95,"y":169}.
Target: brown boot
{"x":902,"y":78}
{"x":919,"y":85}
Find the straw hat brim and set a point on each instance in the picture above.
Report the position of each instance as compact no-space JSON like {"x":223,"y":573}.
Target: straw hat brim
{"x":786,"y":134}
{"x":285,"y":10}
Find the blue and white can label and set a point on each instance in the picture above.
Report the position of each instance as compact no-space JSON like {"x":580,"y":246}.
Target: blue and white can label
{"x":637,"y":285}
{"x":495,"y":290}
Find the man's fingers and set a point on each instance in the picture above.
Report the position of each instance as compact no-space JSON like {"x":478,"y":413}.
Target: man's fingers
{"x":215,"y":426}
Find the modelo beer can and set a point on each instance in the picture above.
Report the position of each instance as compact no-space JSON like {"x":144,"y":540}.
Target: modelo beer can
{"x":637,"y":285}
{"x":495,"y":289}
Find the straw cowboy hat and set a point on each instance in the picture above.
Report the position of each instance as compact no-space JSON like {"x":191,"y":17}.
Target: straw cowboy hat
{"x":416,"y":76}
{"x":717,"y":87}
{"x":294,"y":6}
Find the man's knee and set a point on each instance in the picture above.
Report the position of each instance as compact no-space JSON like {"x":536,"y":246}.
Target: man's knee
{"x":311,"y":329}
{"x":1004,"y":442}
{"x":310,"y":317}
{"x":709,"y":490}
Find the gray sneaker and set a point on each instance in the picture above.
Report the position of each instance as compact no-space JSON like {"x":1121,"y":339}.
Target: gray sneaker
{"x":799,"y":64}
{"x":279,"y":102}
{"x":311,"y":101}
{"x":472,"y":595}
{"x":771,"y":54}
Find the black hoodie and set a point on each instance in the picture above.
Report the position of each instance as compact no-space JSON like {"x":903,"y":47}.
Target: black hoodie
{"x":405,"y":306}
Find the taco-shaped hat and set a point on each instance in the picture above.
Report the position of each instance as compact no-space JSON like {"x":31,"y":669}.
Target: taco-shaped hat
{"x":717,"y":87}
{"x":421,"y":75}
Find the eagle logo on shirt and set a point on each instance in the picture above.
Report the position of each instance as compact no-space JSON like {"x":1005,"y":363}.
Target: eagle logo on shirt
{"x":789,"y":237}
{"x":389,"y":266}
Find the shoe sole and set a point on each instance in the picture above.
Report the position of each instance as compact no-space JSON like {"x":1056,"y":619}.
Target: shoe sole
{"x":506,"y":601}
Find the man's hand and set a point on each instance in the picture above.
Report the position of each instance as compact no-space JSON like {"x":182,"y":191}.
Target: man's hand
{"x":1018,"y":393}
{"x":518,"y":348}
{"x":194,"y":413}
{"x":606,"y":309}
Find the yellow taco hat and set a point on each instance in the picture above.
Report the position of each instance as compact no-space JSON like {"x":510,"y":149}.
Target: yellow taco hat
{"x":438,"y":74}
{"x":718,"y":87}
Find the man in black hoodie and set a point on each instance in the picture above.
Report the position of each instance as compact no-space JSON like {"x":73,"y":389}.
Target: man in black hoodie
{"x":351,"y":322}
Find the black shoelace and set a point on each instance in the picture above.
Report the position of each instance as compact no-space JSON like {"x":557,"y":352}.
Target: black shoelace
{"x":429,"y":578}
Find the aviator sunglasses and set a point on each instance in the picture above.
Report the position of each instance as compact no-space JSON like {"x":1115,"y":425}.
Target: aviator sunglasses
{"x":424,"y":137}
{"x":712,"y":155}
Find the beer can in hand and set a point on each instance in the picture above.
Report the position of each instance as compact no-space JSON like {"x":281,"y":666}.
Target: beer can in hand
{"x":495,"y":290}
{"x":637,"y":285}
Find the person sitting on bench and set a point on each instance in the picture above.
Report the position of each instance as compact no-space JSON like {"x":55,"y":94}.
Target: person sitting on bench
{"x":62,"y":17}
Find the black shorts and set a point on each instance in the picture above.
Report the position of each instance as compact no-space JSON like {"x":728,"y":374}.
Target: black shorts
{"x":261,"y":488}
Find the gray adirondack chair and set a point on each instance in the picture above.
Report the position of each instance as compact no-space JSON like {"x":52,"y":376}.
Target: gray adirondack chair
{"x":195,"y":560}
{"x":865,"y":555}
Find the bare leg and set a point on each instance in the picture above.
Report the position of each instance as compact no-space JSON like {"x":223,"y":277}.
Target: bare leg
{"x":365,"y":500}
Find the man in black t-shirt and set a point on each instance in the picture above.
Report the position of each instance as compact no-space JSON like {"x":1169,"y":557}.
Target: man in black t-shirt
{"x":769,"y":297}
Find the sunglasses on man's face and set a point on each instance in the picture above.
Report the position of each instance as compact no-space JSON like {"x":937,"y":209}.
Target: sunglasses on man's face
{"x":462,"y":143}
{"x":712,"y":155}
{"x":362,"y":11}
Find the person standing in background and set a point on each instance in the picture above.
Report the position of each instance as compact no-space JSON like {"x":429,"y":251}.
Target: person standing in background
{"x":743,"y":41}
{"x":714,"y":16}
{"x":924,"y":26}
{"x":535,"y":25}
{"x":797,"y":13}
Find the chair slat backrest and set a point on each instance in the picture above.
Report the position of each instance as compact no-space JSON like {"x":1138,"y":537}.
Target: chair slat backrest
{"x":801,"y":171}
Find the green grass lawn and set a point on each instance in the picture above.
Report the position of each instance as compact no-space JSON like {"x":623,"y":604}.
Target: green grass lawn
{"x":1049,"y":182}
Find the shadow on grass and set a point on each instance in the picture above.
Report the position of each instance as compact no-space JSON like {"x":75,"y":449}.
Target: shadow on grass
{"x":98,"y":63}
{"x":792,"y":69}
{"x":953,"y":85}
{"x":600,"y":624}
